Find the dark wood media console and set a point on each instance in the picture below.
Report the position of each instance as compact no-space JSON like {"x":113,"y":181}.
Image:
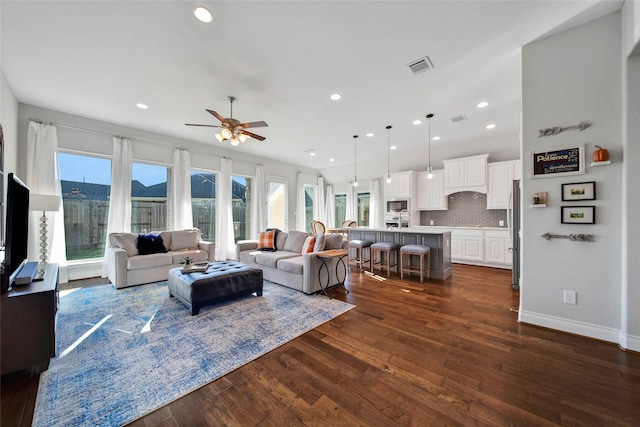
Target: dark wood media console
{"x":28,"y":323}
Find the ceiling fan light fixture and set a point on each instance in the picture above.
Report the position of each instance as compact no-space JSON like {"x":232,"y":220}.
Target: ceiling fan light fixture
{"x":219,"y":137}
{"x":202,"y":14}
{"x":235,"y":141}
{"x":226,"y":133}
{"x":242,"y":137}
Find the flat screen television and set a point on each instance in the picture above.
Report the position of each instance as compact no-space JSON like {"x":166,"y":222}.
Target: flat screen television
{"x":17,"y":228}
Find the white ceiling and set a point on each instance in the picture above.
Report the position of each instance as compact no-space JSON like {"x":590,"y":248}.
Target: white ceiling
{"x":282,"y":60}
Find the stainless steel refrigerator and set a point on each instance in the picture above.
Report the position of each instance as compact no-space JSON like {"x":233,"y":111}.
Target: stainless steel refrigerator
{"x":513,"y":216}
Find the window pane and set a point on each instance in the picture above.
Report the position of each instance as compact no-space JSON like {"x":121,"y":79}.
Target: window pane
{"x":86,"y":186}
{"x":203,"y":203}
{"x":309,"y":198}
{"x":363,"y":209}
{"x":241,"y":205}
{"x":148,"y":198}
{"x":341,"y":208}
{"x":277,"y":205}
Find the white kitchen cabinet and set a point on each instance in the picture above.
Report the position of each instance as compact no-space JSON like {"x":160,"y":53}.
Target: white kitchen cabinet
{"x":401,"y":185}
{"x":500,"y":181}
{"x":469,"y":245}
{"x":466,"y":174}
{"x":430,"y":192}
{"x":498,"y":247}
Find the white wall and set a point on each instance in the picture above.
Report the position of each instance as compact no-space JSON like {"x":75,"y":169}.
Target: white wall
{"x":9,"y":120}
{"x":567,"y":78}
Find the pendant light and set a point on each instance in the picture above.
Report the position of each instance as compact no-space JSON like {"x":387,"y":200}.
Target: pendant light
{"x":429,"y":173}
{"x":355,"y":161}
{"x":388,"y":155}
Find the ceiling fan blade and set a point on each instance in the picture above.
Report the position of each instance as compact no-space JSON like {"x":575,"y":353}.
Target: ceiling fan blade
{"x":207,"y":126}
{"x":253,"y":135}
{"x":260,"y":124}
{"x":216,"y":115}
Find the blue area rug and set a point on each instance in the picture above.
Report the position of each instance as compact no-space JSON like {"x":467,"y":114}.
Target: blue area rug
{"x":124,"y":353}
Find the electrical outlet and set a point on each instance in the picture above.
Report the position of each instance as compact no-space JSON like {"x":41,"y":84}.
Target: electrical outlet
{"x":431,"y":222}
{"x":501,"y":223}
{"x":570,"y":297}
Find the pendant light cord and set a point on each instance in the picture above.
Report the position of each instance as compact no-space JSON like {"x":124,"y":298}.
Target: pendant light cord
{"x":355,"y":161}
{"x":429,"y":117}
{"x":388,"y":152}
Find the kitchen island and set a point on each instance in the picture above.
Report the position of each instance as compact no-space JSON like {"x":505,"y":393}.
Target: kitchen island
{"x":438,"y":240}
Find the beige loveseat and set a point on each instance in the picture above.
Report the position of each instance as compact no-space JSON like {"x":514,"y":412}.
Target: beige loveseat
{"x":127,"y":267}
{"x":288,"y":266}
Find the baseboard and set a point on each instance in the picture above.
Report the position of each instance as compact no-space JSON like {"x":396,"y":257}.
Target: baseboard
{"x":629,"y":342}
{"x":77,"y":270}
{"x":572,"y":326}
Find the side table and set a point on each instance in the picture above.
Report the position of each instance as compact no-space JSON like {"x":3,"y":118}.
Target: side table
{"x":327,"y":256}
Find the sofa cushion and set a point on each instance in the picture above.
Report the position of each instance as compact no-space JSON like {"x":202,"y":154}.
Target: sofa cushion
{"x":267,"y":241}
{"x":150,"y":244}
{"x":320,"y":241}
{"x":281,"y":240}
{"x":308,"y":245}
{"x":270,"y":259}
{"x":292,"y":265}
{"x":177,"y":257}
{"x":333,"y":241}
{"x":166,"y":238}
{"x":248,"y":257}
{"x":185,"y":239}
{"x":148,"y":261}
{"x":126,"y":241}
{"x":295,"y":241}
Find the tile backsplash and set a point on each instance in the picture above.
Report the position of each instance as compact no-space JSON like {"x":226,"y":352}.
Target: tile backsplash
{"x":466,"y":209}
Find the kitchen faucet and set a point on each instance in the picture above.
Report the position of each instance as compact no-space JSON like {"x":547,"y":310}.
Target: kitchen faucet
{"x":400,"y":221}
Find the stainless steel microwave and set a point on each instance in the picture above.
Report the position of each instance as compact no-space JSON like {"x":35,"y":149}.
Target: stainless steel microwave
{"x":397,"y":205}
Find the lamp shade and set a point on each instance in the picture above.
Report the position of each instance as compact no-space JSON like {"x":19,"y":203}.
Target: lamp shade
{"x":44,"y":202}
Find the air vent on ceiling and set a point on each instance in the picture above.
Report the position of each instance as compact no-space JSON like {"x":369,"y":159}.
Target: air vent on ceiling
{"x":458,"y":118}
{"x":421,"y":65}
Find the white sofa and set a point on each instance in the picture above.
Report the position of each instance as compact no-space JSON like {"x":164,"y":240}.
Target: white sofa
{"x":127,"y":267}
{"x":289,"y":267}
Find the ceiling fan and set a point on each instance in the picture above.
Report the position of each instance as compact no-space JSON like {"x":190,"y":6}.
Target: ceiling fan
{"x":232,"y":129}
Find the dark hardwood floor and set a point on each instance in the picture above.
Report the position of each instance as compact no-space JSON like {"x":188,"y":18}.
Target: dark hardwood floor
{"x":441,"y":353}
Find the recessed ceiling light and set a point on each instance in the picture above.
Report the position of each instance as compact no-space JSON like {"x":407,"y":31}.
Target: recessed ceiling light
{"x":203,"y":14}
{"x":369,"y":135}
{"x":312,"y":153}
{"x":491,"y":126}
{"x":142,"y":106}
{"x":336,"y":97}
{"x":482,"y":104}
{"x":332,"y":160}
{"x":436,"y":138}
{"x":393,"y":147}
{"x":417,"y":122}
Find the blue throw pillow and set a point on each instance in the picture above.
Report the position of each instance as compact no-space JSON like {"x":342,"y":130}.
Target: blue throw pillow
{"x":150,"y":244}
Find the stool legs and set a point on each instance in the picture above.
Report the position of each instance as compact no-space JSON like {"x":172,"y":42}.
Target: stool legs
{"x":359,"y":257}
{"x":383,"y":253}
{"x":421,"y":268}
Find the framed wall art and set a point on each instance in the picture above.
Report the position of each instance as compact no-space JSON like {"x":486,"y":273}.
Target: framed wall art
{"x":578,"y":214}
{"x":557,"y":162}
{"x":579,"y":191}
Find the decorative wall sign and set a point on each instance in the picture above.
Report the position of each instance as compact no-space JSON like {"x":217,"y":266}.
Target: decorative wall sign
{"x":558,"y":162}
{"x":579,"y":191}
{"x":578,"y":214}
{"x":557,"y":129}
{"x":572,"y":237}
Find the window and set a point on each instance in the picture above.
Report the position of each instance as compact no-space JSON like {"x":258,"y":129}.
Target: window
{"x":362,"y":207}
{"x":309,"y":206}
{"x":86,"y":186}
{"x":203,"y":203}
{"x":149,"y":197}
{"x":341,"y":208}
{"x":241,"y":206}
{"x":277,"y":203}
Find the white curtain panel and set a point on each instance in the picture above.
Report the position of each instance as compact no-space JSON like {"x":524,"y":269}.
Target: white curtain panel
{"x":375,"y":216}
{"x":350,"y":210}
{"x":225,"y":242}
{"x":321,"y":212}
{"x":330,"y":209}
{"x":119,"y":219}
{"x":259,"y":204}
{"x":43,"y":177}
{"x":181,"y":191}
{"x":300,"y":208}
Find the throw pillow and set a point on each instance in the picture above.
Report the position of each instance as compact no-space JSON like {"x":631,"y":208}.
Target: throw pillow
{"x":320,"y":242}
{"x":150,"y":244}
{"x":308,"y":245}
{"x":333,"y":241}
{"x":295,"y":240}
{"x":267,"y":241}
{"x":184,"y":239}
{"x":126,"y":241}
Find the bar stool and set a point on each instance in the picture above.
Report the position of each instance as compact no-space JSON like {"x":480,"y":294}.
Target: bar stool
{"x":387,"y":248}
{"x":360,"y":246}
{"x":419,"y":250}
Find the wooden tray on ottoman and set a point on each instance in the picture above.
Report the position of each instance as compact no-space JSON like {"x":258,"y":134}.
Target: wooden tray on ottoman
{"x":221,"y":281}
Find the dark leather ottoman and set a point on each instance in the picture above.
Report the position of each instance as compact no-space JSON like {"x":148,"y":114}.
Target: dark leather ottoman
{"x":222,"y":280}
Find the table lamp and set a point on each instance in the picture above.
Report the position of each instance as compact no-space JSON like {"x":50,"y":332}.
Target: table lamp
{"x":44,"y":203}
